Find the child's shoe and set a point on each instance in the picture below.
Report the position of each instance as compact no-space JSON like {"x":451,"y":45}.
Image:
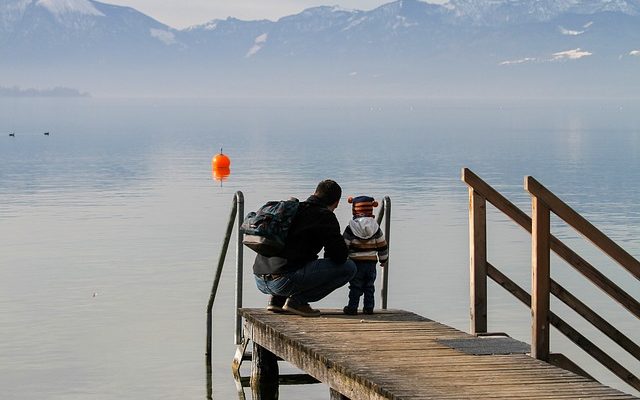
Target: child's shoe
{"x":350,"y":311}
{"x":367,"y":311}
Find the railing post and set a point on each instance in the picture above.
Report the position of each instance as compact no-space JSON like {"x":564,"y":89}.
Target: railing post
{"x":478,"y":261}
{"x":540,"y":278}
{"x":218,"y":274}
{"x":239,"y":268}
{"x":387,"y":233}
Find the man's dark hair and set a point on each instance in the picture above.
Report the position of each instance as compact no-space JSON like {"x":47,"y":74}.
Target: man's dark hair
{"x":328,"y":191}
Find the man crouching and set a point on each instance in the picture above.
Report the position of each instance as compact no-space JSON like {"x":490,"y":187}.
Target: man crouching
{"x":296,"y":276}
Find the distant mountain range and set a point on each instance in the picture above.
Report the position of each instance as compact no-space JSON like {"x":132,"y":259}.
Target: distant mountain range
{"x":532,"y":48}
{"x":49,"y":92}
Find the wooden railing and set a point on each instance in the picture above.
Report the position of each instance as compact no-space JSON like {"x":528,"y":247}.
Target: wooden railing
{"x":543,"y":242}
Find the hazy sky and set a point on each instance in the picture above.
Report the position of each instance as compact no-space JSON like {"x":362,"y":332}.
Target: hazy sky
{"x":180,"y":14}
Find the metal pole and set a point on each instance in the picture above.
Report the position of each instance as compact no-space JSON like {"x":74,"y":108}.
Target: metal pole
{"x":239,"y":270}
{"x":216,"y":280}
{"x":387,"y":233}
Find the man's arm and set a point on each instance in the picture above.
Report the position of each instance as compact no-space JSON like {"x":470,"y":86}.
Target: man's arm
{"x":335,"y":247}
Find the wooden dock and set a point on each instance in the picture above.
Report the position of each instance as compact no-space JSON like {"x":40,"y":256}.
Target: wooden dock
{"x":396,"y":354}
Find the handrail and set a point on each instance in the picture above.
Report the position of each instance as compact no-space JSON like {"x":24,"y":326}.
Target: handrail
{"x":573,"y":335}
{"x":239,"y":268}
{"x":543,"y":202}
{"x":579,"y":223}
{"x":237,"y":209}
{"x":594,"y":319}
{"x":385,"y":210}
{"x":563,"y":251}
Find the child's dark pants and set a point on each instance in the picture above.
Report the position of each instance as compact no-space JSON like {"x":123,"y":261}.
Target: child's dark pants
{"x":363,"y":283}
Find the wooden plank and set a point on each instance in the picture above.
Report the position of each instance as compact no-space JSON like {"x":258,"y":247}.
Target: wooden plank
{"x":381,"y":364}
{"x":332,"y":329}
{"x":540,"y":279}
{"x":478,"y":261}
{"x":318,"y":366}
{"x":583,"y":226}
{"x":335,"y":395}
{"x":509,"y":285}
{"x":487,"y":346}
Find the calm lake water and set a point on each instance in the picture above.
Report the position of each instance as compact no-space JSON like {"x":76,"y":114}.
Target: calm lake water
{"x":110,"y":227}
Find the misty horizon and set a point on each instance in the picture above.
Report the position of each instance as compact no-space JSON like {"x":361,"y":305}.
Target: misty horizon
{"x":406,"y":48}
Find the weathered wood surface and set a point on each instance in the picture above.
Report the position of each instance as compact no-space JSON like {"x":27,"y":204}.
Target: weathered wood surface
{"x":400,"y":355}
{"x":579,"y":223}
{"x":572,"y":258}
{"x":540,"y":279}
{"x":478,"y":261}
{"x":264,"y":374}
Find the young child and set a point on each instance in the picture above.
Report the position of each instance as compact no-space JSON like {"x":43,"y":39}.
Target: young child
{"x":367,"y":246}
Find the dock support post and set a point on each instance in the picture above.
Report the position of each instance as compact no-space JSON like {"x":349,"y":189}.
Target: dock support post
{"x":264,"y":374}
{"x":478,"y":261}
{"x":335,"y":395}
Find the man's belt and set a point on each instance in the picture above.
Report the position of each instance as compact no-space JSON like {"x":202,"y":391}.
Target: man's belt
{"x":270,"y":277}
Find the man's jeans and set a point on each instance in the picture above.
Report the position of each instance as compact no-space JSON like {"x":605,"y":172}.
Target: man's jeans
{"x":314,"y":281}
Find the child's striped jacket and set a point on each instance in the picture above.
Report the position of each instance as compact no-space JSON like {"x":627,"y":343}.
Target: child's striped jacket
{"x":365,"y":240}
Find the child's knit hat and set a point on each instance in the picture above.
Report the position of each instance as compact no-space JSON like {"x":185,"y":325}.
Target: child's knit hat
{"x":362,"y":206}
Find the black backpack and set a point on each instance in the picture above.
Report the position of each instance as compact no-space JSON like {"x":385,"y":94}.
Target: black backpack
{"x":265,"y":230}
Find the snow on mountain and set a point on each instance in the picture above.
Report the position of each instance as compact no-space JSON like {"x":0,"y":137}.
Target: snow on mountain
{"x":257,"y":45}
{"x":519,"y":61}
{"x":12,"y":11}
{"x":497,"y":12}
{"x":570,"y":32}
{"x":79,"y":32}
{"x":567,"y":55}
{"x":353,"y":22}
{"x":629,"y":7}
{"x":208,"y":26}
{"x":14,"y":7}
{"x":165,"y":36}
{"x":317,"y":19}
{"x":62,"y":7}
{"x":574,"y":54}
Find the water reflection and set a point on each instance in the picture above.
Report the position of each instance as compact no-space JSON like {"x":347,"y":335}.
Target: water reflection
{"x":119,"y":201}
{"x":220,"y":174}
{"x":240,"y":381}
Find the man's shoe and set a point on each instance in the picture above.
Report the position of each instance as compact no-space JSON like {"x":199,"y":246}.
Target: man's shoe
{"x":350,"y":311}
{"x":276,"y":303}
{"x":367,"y":311}
{"x":299,"y":308}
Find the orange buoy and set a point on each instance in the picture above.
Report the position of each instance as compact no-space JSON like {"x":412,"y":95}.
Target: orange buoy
{"x":220,"y":174}
{"x":220,"y":161}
